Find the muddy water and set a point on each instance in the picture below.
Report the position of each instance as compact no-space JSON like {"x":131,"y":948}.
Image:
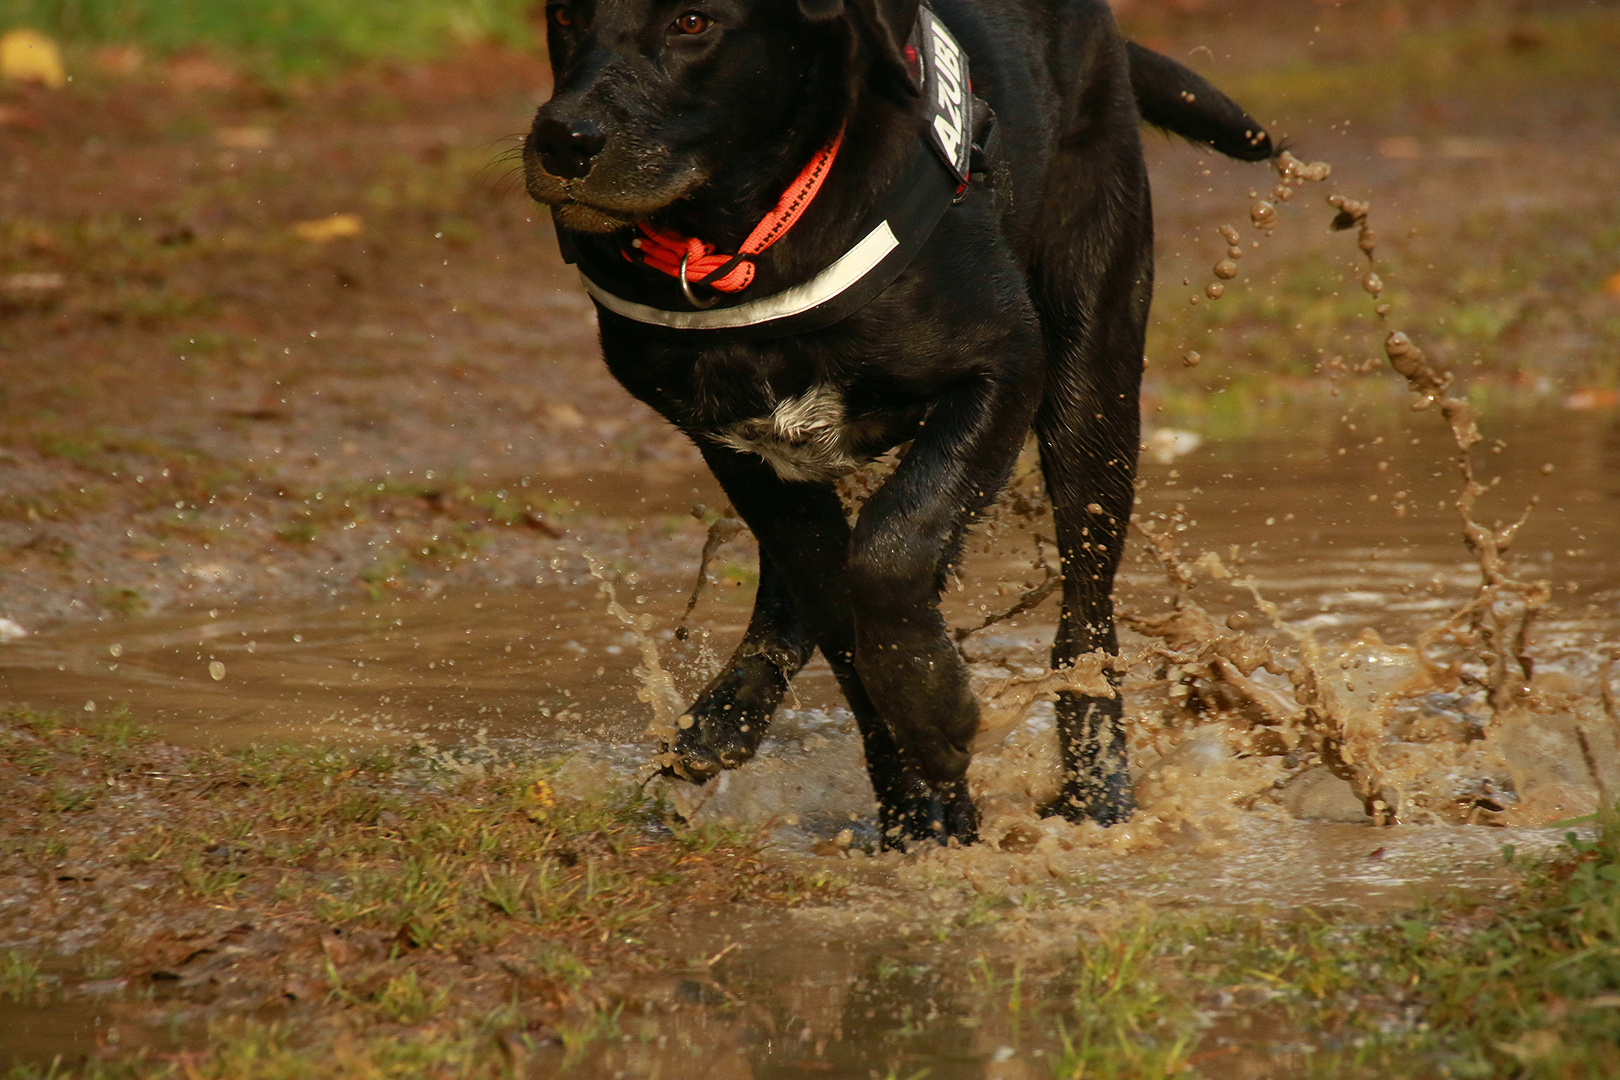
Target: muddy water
{"x":1341,"y":516}
{"x":1307,"y":501}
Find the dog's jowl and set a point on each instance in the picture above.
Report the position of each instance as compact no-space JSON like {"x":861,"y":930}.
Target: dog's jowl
{"x":817,"y":230}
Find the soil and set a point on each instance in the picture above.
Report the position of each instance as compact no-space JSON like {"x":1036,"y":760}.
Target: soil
{"x":204,"y":404}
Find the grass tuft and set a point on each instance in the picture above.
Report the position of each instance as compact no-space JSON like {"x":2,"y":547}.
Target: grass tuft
{"x":284,"y":35}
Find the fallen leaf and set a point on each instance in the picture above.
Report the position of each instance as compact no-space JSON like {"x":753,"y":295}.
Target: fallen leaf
{"x":29,"y":56}
{"x":12,"y":116}
{"x":566,"y":415}
{"x":244,"y":138}
{"x":1592,"y":398}
{"x":120,"y":59}
{"x":320,"y":230}
{"x":1401,"y":147}
{"x":199,"y":72}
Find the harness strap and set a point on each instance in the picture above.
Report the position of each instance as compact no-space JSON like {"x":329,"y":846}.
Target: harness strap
{"x":664,"y":249}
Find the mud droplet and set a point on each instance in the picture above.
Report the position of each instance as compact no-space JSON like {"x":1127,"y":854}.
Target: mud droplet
{"x":1215,"y":290}
{"x":1191,"y":359}
{"x":1238,"y":620}
{"x":1226,"y":269}
{"x":1229,"y":234}
{"x":1547,"y":469}
{"x":1093,"y":508}
{"x":1263,"y":214}
{"x":1373,"y":284}
{"x":685,"y":722}
{"x":115,"y":650}
{"x":216,"y":670}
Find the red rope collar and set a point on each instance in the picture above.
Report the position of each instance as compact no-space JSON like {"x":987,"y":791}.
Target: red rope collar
{"x":663,"y":249}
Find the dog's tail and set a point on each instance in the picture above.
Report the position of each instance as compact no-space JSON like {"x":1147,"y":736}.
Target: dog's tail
{"x":1182,"y":102}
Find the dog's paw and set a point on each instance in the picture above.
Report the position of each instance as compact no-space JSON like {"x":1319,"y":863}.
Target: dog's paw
{"x":705,"y":747}
{"x":1106,"y":803}
{"x":930,"y":817}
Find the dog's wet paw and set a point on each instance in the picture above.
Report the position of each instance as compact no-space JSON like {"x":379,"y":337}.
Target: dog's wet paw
{"x":704,"y":747}
{"x":931,"y":817}
{"x":725,"y":724}
{"x":1108,"y":803}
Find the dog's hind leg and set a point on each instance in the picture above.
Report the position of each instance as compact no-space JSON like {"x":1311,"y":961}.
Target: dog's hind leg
{"x":723,"y":727}
{"x":1092,"y":282}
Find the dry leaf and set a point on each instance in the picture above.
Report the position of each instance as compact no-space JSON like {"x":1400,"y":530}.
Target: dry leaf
{"x":321,"y":230}
{"x":30,"y":56}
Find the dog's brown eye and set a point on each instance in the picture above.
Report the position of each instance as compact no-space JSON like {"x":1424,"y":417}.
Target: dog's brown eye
{"x":693,"y":22}
{"x":560,"y":15}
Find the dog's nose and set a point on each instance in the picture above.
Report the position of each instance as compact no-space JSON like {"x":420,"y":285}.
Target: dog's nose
{"x":566,"y":147}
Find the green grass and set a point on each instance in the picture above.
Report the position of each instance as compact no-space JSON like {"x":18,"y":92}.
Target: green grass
{"x":286,"y":35}
{"x":19,"y":977}
{"x":438,"y":867}
{"x":1527,"y":988}
{"x":395,"y":868}
{"x":1484,"y":58}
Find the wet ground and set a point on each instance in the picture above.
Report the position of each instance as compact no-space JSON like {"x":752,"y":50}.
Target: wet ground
{"x":1310,"y":509}
{"x":368,"y":509}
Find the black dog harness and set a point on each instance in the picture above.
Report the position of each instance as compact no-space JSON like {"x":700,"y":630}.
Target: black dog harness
{"x":957,"y":128}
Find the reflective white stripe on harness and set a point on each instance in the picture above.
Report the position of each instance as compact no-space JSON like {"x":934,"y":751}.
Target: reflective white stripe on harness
{"x":842,"y":275}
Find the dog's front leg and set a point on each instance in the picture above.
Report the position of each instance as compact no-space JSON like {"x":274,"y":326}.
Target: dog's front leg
{"x":805,"y":541}
{"x":723,"y":727}
{"x":907,"y":536}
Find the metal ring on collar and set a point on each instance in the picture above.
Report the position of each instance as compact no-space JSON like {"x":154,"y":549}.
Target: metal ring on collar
{"x":686,"y":288}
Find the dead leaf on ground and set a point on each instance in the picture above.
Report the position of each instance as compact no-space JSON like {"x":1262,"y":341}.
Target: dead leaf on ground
{"x":196,"y":71}
{"x":321,"y":230}
{"x":1592,"y":399}
{"x":29,"y":56}
{"x":13,"y":116}
{"x":245,"y":138}
{"x":120,"y":59}
{"x":1400,"y":147}
{"x":30,"y":289}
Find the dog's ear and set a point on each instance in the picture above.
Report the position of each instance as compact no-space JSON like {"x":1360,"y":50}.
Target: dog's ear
{"x":886,"y":23}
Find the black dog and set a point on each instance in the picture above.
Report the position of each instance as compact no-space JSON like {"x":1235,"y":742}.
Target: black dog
{"x":885,"y":258}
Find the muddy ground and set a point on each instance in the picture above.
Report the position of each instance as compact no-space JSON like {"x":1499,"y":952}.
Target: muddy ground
{"x":204,"y":404}
{"x":306,"y":347}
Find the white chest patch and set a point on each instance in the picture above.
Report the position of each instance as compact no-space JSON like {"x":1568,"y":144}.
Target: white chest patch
{"x":803,"y":438}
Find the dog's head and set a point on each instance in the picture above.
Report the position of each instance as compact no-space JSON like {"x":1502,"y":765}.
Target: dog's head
{"x":655,"y":98}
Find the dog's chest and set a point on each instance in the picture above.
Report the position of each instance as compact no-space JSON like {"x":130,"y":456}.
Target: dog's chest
{"x":802,"y":438}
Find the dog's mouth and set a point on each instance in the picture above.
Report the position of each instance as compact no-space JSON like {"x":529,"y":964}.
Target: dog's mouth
{"x":583,"y":217}
{"x":581,"y":206}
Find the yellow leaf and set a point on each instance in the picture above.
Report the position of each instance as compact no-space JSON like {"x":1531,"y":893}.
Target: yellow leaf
{"x":245,"y":138}
{"x":321,"y":230}
{"x":30,"y":56}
